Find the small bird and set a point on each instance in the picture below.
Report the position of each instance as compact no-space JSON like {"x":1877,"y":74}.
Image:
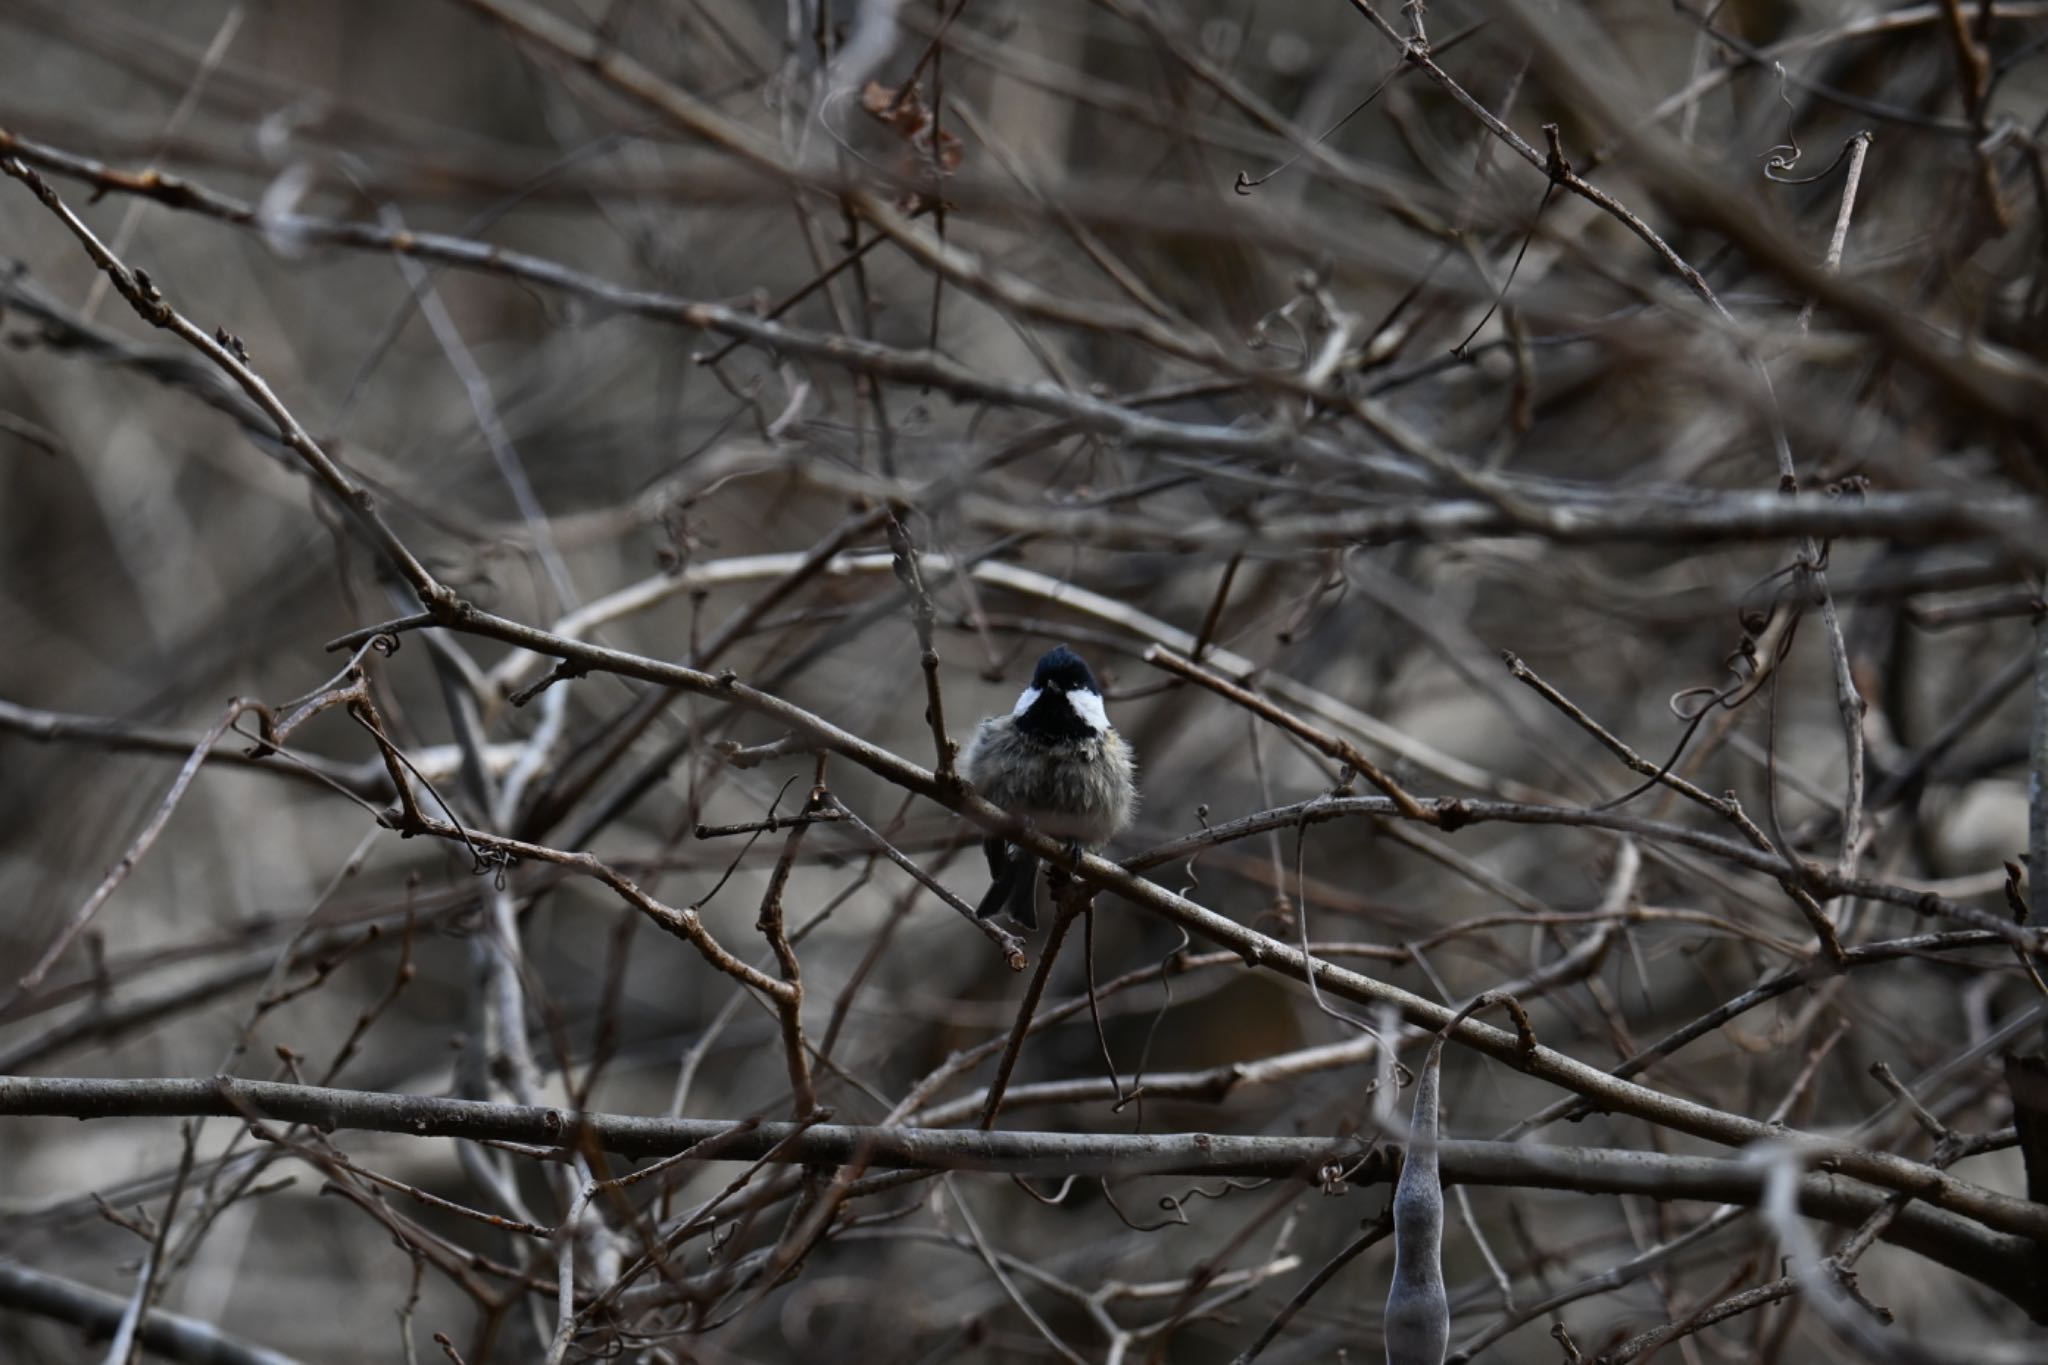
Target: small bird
{"x":1055,"y":761}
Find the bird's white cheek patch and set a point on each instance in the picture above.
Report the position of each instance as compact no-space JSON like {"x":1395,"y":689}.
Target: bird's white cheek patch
{"x":1088,"y":706}
{"x":1027,"y":701}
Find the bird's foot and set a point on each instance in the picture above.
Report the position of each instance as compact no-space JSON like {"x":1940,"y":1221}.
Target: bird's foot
{"x":1057,"y":876}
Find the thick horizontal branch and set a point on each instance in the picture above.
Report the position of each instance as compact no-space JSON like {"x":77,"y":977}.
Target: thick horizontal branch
{"x":2002,"y":1262}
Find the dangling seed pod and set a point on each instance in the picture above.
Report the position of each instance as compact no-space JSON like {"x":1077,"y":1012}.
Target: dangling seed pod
{"x":1418,"y":1310}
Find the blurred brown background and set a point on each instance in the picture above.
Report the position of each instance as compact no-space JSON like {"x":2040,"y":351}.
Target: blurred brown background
{"x":1150,"y":389}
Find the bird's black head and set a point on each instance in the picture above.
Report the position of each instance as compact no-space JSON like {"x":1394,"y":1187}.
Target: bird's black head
{"x":1063,"y":703}
{"x":1063,"y":668}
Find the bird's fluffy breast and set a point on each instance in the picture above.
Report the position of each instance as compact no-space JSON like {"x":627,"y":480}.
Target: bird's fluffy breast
{"x":1079,"y":789}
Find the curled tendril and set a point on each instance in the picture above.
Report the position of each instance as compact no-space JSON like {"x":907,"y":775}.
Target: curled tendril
{"x":1169,"y":1203}
{"x":1175,"y":1217}
{"x":385,"y":643}
{"x":1334,"y":1176}
{"x":1786,"y":154}
{"x":491,"y":862}
{"x":1743,"y":661}
{"x":1680,"y":698}
{"x":1053,"y":1200}
{"x":1783,"y":157}
{"x":1775,"y":167}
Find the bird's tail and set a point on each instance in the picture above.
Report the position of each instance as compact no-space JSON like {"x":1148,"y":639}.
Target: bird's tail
{"x":1015,"y":883}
